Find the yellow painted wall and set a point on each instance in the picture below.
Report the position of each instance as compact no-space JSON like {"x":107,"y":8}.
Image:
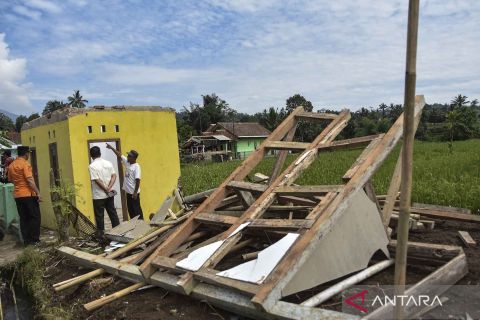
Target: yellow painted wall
{"x":39,"y":139}
{"x":152,"y":133}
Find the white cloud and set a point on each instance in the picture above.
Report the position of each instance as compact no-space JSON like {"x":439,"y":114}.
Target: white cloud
{"x":13,"y":92}
{"x":253,"y":53}
{"x":26,"y":12}
{"x":148,"y":75}
{"x":44,"y":5}
{"x":243,"y":5}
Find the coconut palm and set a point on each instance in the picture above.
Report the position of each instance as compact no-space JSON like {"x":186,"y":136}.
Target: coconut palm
{"x":76,"y":100}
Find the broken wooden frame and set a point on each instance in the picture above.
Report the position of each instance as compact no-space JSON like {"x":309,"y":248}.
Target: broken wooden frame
{"x":450,"y":261}
{"x":312,"y":219}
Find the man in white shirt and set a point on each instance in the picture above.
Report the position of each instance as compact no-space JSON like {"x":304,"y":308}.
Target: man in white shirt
{"x":103,"y":176}
{"x":131,"y":182}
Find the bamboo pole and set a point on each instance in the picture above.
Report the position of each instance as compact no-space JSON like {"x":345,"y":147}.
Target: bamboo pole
{"x":407,"y":154}
{"x":347,"y":283}
{"x":114,"y":296}
{"x":131,"y":245}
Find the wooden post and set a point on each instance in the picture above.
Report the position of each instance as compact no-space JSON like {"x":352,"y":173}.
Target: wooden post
{"x":407,"y":154}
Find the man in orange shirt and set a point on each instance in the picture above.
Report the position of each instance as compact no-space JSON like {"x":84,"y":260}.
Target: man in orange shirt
{"x":27,"y":196}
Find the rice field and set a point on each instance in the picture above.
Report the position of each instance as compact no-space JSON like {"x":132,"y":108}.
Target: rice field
{"x":438,"y":177}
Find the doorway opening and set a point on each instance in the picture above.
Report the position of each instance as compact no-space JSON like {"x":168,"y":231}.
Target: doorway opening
{"x":120,"y":200}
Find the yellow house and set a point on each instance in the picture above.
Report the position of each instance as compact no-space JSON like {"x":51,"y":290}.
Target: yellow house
{"x":61,"y":141}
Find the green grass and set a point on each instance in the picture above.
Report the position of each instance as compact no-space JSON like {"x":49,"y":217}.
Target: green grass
{"x":439,"y":177}
{"x":29,"y":270}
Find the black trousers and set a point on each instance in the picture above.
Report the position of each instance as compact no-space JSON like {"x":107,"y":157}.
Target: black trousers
{"x":99,"y":206}
{"x":29,"y":213}
{"x":134,"y":208}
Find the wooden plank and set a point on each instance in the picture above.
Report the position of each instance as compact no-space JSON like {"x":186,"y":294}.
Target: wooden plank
{"x":446,"y":215}
{"x":291,"y":263}
{"x":350,"y":143}
{"x":301,"y":201}
{"x":434,"y":284}
{"x":277,"y":208}
{"x":316,"y":116}
{"x":467,"y":238}
{"x":246,"y":198}
{"x":211,"y":218}
{"x":293,"y":171}
{"x":209,"y":276}
{"x":351,"y":171}
{"x":209,"y":205}
{"x":247,"y":186}
{"x":287,"y":145}
{"x":282,"y":156}
{"x":307,"y":190}
{"x":228,"y":201}
{"x":313,"y":215}
{"x":334,"y":145}
{"x":394,"y":187}
{"x":435,"y":207}
{"x":370,"y":191}
{"x":166,"y":263}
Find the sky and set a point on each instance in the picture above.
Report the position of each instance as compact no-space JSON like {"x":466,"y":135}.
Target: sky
{"x":252,"y":53}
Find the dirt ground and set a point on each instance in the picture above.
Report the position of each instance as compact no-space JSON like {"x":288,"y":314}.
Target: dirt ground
{"x":157,"y":303}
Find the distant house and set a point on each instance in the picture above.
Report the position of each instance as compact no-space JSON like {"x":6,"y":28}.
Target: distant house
{"x":227,"y":139}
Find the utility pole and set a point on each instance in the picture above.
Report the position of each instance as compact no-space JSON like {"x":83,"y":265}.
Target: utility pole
{"x":407,"y":155}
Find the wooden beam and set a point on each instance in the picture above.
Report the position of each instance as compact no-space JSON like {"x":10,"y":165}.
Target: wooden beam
{"x":246,"y":198}
{"x":292,"y":172}
{"x":370,"y":192}
{"x":467,"y":238}
{"x":445,"y":215}
{"x":211,"y":218}
{"x":434,"y":284}
{"x":187,"y":281}
{"x":247,"y":186}
{"x":394,"y":187}
{"x":209,"y":205}
{"x":307,"y":190}
{"x":318,"y":210}
{"x":287,"y":145}
{"x":292,"y":261}
{"x":350,"y":143}
{"x":351,"y":171}
{"x":435,"y":207}
{"x":334,"y":145}
{"x":209,"y":276}
{"x":316,"y":116}
{"x":282,"y":156}
{"x":301,"y":201}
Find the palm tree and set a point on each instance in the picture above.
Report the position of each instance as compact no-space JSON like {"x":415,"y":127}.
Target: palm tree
{"x":76,"y":100}
{"x":53,"y":105}
{"x":459,"y":101}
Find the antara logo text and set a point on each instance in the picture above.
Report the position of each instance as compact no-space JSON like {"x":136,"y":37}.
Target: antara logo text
{"x":403,"y":300}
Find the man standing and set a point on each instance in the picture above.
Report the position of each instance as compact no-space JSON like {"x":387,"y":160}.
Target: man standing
{"x":27,"y":196}
{"x":103,"y":176}
{"x":131,"y":183}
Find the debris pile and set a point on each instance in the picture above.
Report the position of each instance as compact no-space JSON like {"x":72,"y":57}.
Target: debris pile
{"x":247,"y":246}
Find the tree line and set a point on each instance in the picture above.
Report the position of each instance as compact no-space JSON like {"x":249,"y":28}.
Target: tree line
{"x":457,"y":120}
{"x":75,"y":101}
